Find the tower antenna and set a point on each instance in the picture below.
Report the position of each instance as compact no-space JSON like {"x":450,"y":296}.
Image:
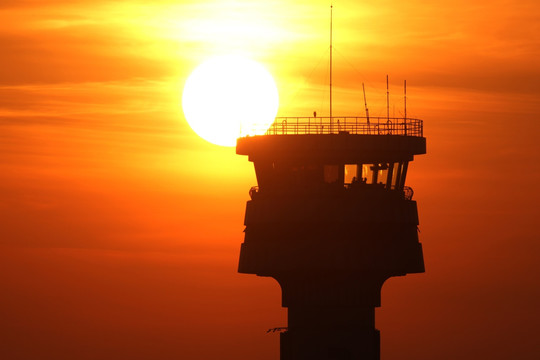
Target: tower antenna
{"x":365,"y":103}
{"x":405,"y":96}
{"x":405,"y":103}
{"x":331,"y":16}
{"x":387,"y":101}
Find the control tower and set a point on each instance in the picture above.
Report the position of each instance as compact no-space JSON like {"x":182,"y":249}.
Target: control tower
{"x":331,"y":219}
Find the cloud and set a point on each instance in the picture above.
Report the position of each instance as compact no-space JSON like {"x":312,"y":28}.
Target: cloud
{"x":81,"y":56}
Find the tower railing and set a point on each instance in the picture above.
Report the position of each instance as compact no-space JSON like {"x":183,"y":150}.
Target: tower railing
{"x":343,"y":124}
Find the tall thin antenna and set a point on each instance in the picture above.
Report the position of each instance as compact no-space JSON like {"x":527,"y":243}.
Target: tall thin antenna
{"x":405,"y":102}
{"x":365,"y":103}
{"x":405,"y":96}
{"x":331,"y":16}
{"x":387,"y":101}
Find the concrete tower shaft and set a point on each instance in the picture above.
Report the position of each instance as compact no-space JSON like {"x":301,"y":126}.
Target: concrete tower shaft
{"x":331,"y":219}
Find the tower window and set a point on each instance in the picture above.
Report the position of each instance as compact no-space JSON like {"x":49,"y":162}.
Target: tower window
{"x":350,"y":173}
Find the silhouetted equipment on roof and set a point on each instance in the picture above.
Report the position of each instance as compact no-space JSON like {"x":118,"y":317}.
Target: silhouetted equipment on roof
{"x":331,"y":219}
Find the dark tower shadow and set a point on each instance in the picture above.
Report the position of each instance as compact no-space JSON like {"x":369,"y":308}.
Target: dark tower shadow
{"x":331,"y":219}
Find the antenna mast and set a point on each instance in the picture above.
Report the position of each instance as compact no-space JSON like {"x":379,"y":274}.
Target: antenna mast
{"x":331,"y":16}
{"x":405,"y":96}
{"x":387,"y":101}
{"x":365,"y":103}
{"x":405,"y":102}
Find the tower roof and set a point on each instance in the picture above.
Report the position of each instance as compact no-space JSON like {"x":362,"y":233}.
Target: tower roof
{"x":343,"y":139}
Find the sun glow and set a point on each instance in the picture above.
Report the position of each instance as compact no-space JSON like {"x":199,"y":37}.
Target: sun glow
{"x":229,"y":96}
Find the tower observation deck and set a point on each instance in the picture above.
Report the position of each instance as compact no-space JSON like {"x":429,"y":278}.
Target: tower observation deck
{"x":331,"y":219}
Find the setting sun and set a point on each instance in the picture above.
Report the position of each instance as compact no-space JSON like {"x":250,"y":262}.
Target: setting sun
{"x":227,"y":96}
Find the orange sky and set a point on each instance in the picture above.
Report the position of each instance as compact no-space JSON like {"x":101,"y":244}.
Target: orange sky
{"x":121,"y":228}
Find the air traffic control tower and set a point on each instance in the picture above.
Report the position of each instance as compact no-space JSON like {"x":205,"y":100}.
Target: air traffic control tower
{"x":331,"y":219}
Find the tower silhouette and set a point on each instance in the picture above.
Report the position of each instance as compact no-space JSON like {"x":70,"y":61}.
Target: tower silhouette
{"x":331,"y":219}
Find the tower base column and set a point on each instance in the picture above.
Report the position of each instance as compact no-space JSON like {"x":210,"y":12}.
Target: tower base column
{"x":339,"y":333}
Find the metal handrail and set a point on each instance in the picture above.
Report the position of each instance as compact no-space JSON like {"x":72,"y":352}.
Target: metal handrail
{"x":344,"y":124}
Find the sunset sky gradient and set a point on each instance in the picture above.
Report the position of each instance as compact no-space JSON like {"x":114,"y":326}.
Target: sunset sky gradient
{"x":120,"y":228}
